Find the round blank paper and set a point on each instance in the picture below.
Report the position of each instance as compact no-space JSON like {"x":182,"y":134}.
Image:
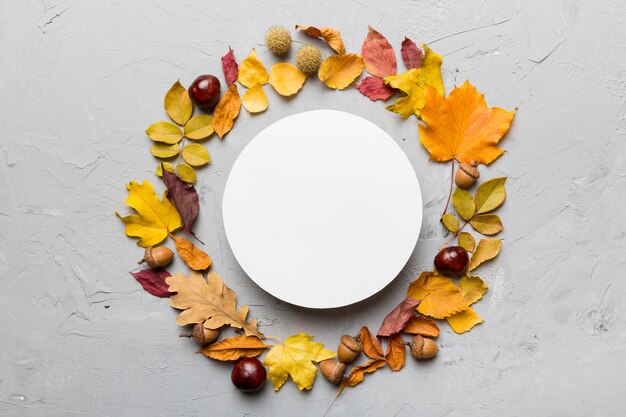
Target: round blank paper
{"x":322,"y":209}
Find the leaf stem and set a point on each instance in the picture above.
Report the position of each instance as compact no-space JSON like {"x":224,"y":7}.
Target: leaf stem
{"x":455,"y":234}
{"x":450,"y":193}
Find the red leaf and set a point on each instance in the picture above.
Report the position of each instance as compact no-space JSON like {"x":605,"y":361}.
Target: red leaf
{"x":230,"y":67}
{"x":374,"y":88}
{"x":153,"y":281}
{"x":184,"y":197}
{"x":412,"y":56}
{"x":395,"y":321}
{"x":378,"y":55}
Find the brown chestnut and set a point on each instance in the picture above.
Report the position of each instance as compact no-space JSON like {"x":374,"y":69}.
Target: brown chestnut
{"x":248,"y":374}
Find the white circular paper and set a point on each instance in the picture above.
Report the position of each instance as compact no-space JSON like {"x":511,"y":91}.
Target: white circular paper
{"x":322,"y":209}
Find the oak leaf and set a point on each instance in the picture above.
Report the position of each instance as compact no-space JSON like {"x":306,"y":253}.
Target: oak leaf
{"x":378,"y":54}
{"x":486,"y":249}
{"x":461,"y":126}
{"x":395,"y":321}
{"x":254,"y":100}
{"x":153,"y":281}
{"x":375,"y":89}
{"x":286,"y":79}
{"x":230,"y":67}
{"x":295,"y":359}
{"x":396,"y":352}
{"x":357,"y":373}
{"x":412,"y":56}
{"x":422,"y":326}
{"x":339,"y":71}
{"x":195,"y":258}
{"x":226,"y":111}
{"x":178,"y":104}
{"x":154,"y":219}
{"x":184,"y":197}
{"x":330,"y":35}
{"x":234,"y":348}
{"x":440,"y":298}
{"x":252,"y":71}
{"x":209,"y":301}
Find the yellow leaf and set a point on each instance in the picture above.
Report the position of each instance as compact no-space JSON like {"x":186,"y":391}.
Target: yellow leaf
{"x":163,"y":151}
{"x":357,"y":374}
{"x":487,"y":249}
{"x":461,"y":126}
{"x":415,"y":82}
{"x":472,"y":289}
{"x":467,"y":241}
{"x":196,"y":155}
{"x":330,"y":35}
{"x":154,"y":219}
{"x":422,"y":326}
{"x":195,"y":258}
{"x":286,"y":79}
{"x":186,"y":173}
{"x":168,"y":167}
{"x":199,"y":127}
{"x":464,"y":321}
{"x":254,"y":100}
{"x":178,"y":104}
{"x":440,"y":298}
{"x":295,"y":358}
{"x":165,"y":132}
{"x":208,"y":301}
{"x":339,"y":71}
{"x":252,"y":71}
{"x":226,"y":111}
{"x":451,"y":222}
{"x":487,"y":224}
{"x":463,"y":203}
{"x":235,"y":348}
{"x":490,"y":195}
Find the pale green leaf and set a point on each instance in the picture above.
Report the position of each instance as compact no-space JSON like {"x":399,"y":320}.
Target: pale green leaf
{"x":490,"y":195}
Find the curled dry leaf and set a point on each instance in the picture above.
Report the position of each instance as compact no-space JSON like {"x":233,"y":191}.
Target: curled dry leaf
{"x":209,"y":301}
{"x":286,"y":79}
{"x":487,"y":249}
{"x":463,"y":203}
{"x":464,"y":321}
{"x":412,"y":56}
{"x":461,"y":126}
{"x":357,"y":374}
{"x":234,"y":348}
{"x":178,"y":104}
{"x":395,"y":321}
{"x":396,"y":352}
{"x":490,"y":195}
{"x":153,"y":281}
{"x":199,"y":127}
{"x":230,"y":67}
{"x":226,"y":111}
{"x":422,"y":326}
{"x":451,"y":222}
{"x":378,"y":54}
{"x":487,"y":224}
{"x":467,"y":241}
{"x":339,"y":71}
{"x":375,"y":89}
{"x":371,"y":347}
{"x":330,"y":35}
{"x":254,"y":100}
{"x":440,"y":298}
{"x":185,"y":199}
{"x":195,"y":258}
{"x":252,"y":71}
{"x":164,"y":132}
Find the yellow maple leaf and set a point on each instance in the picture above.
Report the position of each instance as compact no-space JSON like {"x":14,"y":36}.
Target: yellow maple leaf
{"x":154,"y":219}
{"x":339,"y":71}
{"x":440,"y":298}
{"x":295,"y":358}
{"x":461,"y":126}
{"x":252,"y":71}
{"x":415,"y":82}
{"x":209,"y":301}
{"x":286,"y":79}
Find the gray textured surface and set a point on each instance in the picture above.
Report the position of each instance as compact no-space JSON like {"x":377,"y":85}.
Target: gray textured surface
{"x":79,"y":81}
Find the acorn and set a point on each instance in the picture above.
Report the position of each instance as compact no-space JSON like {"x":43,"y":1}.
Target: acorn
{"x":332,"y":370}
{"x":157,"y":257}
{"x":349,"y":349}
{"x":467,"y":175}
{"x":203,"y":336}
{"x":423,"y":348}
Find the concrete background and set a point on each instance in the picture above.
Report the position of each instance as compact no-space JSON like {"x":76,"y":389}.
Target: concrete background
{"x":81,"y":80}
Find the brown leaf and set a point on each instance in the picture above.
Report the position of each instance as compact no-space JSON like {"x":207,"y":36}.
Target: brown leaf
{"x":371,"y":347}
{"x":184,"y":197}
{"x":235,"y":348}
{"x":195,"y":258}
{"x":226,"y":111}
{"x":396,"y":352}
{"x":153,"y":281}
{"x":412,"y":56}
{"x":375,"y":89}
{"x":378,"y":55}
{"x":330,"y":35}
{"x":357,"y":374}
{"x":422,"y":326}
{"x":230,"y":67}
{"x":395,"y":321}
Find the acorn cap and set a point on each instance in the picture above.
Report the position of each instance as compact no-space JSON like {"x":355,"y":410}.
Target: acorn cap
{"x":470,"y":169}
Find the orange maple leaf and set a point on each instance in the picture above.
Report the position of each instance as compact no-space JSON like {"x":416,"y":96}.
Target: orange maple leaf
{"x":461,"y":126}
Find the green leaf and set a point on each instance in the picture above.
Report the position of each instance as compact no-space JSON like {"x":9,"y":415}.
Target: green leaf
{"x":487,"y":224}
{"x":186,"y":173}
{"x":467,"y":241}
{"x":178,"y":104}
{"x":451,"y":222}
{"x":487,"y":249}
{"x":196,"y":155}
{"x":164,"y":151}
{"x":463,"y":203}
{"x":199,"y":127}
{"x":168,"y":167}
{"x":165,"y":132}
{"x":490,"y":195}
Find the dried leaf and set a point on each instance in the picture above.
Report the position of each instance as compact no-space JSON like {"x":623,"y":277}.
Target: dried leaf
{"x":375,"y":89}
{"x":196,"y":155}
{"x":254,"y":100}
{"x":153,"y":281}
{"x":412,"y":56}
{"x":378,"y":54}
{"x":286,"y":79}
{"x":295,"y":358}
{"x":252,"y":71}
{"x":464,"y":321}
{"x":357,"y":374}
{"x":164,"y":132}
{"x":463,"y":203}
{"x":415,"y":83}
{"x":487,"y":249}
{"x":396,"y":352}
{"x":199,"y":127}
{"x":208,"y":301}
{"x":168,"y":166}
{"x":472,"y":289}
{"x":467,"y":241}
{"x":186,"y":173}
{"x":339,"y":71}
{"x":422,"y":326}
{"x":164,"y":151}
{"x":185,"y":199}
{"x":487,"y":224}
{"x":195,"y":258}
{"x":330,"y":35}
{"x":178,"y":104}
{"x":461,"y":126}
{"x":235,"y":348}
{"x":226,"y":111}
{"x":490,"y":195}
{"x":451,"y":222}
{"x":371,"y":347}
{"x":154,"y":219}
{"x":230,"y":67}
{"x":395,"y":321}
{"x":440,"y":298}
